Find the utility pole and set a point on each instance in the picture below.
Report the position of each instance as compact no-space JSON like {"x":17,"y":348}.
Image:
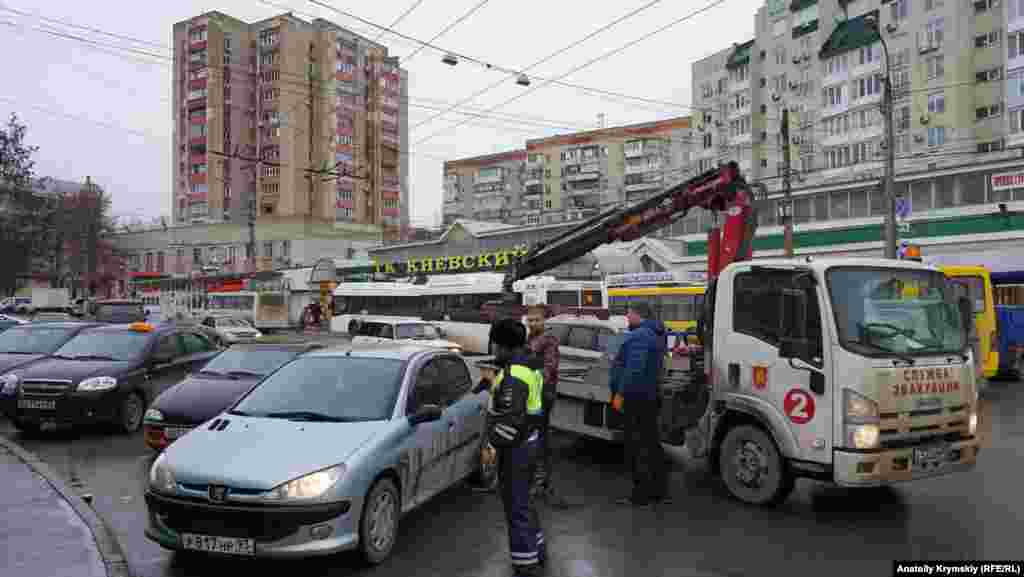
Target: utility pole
{"x":786,"y":209}
{"x":891,"y":240}
{"x":312,"y":104}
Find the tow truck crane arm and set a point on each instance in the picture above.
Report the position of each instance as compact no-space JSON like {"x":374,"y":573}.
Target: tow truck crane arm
{"x":720,"y":189}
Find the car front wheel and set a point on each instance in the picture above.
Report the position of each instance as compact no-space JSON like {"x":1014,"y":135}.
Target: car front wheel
{"x":132,"y":410}
{"x":378,"y":525}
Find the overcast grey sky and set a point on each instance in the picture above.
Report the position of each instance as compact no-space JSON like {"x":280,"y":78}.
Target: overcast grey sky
{"x":116,"y":121}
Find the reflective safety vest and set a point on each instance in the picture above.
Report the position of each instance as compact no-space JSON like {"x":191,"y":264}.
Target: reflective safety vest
{"x":534,"y":380}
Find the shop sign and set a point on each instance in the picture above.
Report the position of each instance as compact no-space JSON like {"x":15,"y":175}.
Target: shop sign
{"x":1007,"y":181}
{"x":486,"y":261}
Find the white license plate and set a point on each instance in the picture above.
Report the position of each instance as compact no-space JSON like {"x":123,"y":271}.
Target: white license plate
{"x":931,"y":456}
{"x":37,"y":404}
{"x":226,"y":545}
{"x":175,"y":432}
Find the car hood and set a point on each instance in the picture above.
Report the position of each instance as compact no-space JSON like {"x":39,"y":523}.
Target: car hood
{"x":74,"y":371}
{"x":197,"y":400}
{"x":260,"y":453}
{"x":9,"y":361}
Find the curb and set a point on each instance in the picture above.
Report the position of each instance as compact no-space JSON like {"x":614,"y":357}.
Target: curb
{"x":106,"y":541}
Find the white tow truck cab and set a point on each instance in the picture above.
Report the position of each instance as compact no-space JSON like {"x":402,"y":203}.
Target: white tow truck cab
{"x":852,"y":371}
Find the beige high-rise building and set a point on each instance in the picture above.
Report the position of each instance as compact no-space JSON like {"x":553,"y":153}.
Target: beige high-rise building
{"x":305,"y":120}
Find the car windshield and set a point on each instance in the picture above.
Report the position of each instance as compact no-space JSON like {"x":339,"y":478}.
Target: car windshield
{"x":416,"y":331}
{"x":113,"y":345}
{"x":251,"y":361}
{"x":32,"y":339}
{"x":907,"y":312}
{"x":334,"y":388}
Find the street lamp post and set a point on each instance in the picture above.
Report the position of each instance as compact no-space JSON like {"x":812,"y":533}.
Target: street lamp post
{"x":888,"y":111}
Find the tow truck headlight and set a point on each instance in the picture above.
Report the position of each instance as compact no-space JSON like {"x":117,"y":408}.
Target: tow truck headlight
{"x":862,"y":436}
{"x":153,"y":415}
{"x":97,"y":384}
{"x":160,"y":477}
{"x":8,"y":384}
{"x":310,"y":486}
{"x":860,"y":419}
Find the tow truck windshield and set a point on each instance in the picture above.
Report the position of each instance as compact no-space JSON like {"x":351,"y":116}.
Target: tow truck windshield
{"x":882,"y":312}
{"x":416,"y":331}
{"x":104,"y":345}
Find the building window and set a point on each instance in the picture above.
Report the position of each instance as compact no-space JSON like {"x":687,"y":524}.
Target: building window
{"x":936,"y":135}
{"x":990,"y":39}
{"x":934,"y":32}
{"x":868,"y":86}
{"x":930,"y":5}
{"x":936,"y":66}
{"x":937,"y":103}
{"x":197,"y":256}
{"x":198,"y":35}
{"x":986,"y":5}
{"x":899,"y":10}
{"x":984,"y":112}
{"x":990,"y":75}
{"x":268,"y":249}
{"x":994,"y":146}
{"x":198,"y":169}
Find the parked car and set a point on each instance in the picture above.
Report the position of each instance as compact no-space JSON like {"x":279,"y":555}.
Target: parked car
{"x":324,"y":455}
{"x":209,"y":392}
{"x":231,"y":329}
{"x":118,"y":311}
{"x":380,"y":330}
{"x":7,"y":322}
{"x":27,"y":343}
{"x":105,"y":374}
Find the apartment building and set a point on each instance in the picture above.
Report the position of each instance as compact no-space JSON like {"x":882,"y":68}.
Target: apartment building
{"x":489,"y":187}
{"x":570,"y":177}
{"x":293,"y":120}
{"x":956,"y":70}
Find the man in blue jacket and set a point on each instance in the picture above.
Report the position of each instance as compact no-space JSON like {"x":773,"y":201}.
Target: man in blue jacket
{"x":634,"y":376}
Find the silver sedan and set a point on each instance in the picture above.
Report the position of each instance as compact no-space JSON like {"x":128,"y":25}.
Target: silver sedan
{"x":324,"y":455}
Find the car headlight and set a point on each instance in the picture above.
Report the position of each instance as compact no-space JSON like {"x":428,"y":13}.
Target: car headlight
{"x":862,"y":436}
{"x":858,"y":408}
{"x":96,"y":384}
{"x":8,"y":383}
{"x":972,"y":423}
{"x":153,"y":415}
{"x":160,"y":477}
{"x":310,"y":486}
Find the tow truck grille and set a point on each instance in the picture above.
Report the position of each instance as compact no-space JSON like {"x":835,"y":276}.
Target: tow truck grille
{"x":34,"y":388}
{"x":900,"y":430}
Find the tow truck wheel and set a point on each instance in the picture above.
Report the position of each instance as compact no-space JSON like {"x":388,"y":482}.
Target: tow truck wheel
{"x":131,"y":412}
{"x":378,"y":525}
{"x":752,"y":467}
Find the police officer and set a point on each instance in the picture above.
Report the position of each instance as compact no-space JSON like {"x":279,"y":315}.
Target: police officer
{"x":513,"y":439}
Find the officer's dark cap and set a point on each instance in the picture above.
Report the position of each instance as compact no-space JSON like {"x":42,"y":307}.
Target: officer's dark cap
{"x":508,"y":333}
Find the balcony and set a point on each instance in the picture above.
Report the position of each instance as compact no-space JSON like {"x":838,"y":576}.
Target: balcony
{"x":641,"y":168}
{"x":583,"y":176}
{"x":639,"y":186}
{"x":634,"y":151}
{"x":391,"y":211}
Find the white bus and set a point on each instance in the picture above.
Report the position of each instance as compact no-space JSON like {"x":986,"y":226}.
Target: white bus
{"x":265,"y":305}
{"x":455,"y":303}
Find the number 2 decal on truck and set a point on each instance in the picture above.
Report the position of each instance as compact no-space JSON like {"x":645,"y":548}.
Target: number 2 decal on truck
{"x":799,"y":406}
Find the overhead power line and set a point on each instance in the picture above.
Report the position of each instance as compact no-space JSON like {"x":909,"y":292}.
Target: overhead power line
{"x":447,"y":28}
{"x":401,"y":17}
{"x":586,"y":64}
{"x":547,"y":58}
{"x":87,"y":28}
{"x":495,"y":67}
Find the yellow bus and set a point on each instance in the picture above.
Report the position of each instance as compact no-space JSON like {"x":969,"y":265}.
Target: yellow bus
{"x":975,"y":283}
{"x":674,"y":302}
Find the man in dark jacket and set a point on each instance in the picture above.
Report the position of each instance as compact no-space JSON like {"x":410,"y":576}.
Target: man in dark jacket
{"x":634,"y":376}
{"x":513,"y":438}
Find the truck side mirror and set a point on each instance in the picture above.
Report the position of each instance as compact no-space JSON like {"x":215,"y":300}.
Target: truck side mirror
{"x":790,"y":348}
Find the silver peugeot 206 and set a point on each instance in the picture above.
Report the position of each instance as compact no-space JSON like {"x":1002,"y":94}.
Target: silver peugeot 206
{"x":324,"y":455}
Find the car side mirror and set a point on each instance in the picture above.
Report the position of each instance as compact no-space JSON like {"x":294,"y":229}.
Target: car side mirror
{"x":426,"y":414}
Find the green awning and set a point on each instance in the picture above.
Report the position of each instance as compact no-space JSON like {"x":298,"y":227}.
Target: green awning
{"x":740,"y":55}
{"x":851,"y":35}
{"x":798,"y":5}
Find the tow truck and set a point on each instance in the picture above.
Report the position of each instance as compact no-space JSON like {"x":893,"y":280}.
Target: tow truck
{"x":851,"y":371}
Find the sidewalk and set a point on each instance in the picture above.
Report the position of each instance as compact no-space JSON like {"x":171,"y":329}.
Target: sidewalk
{"x":46,"y":530}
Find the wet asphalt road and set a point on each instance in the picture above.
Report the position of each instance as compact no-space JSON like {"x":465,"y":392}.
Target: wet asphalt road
{"x":704,"y":533}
